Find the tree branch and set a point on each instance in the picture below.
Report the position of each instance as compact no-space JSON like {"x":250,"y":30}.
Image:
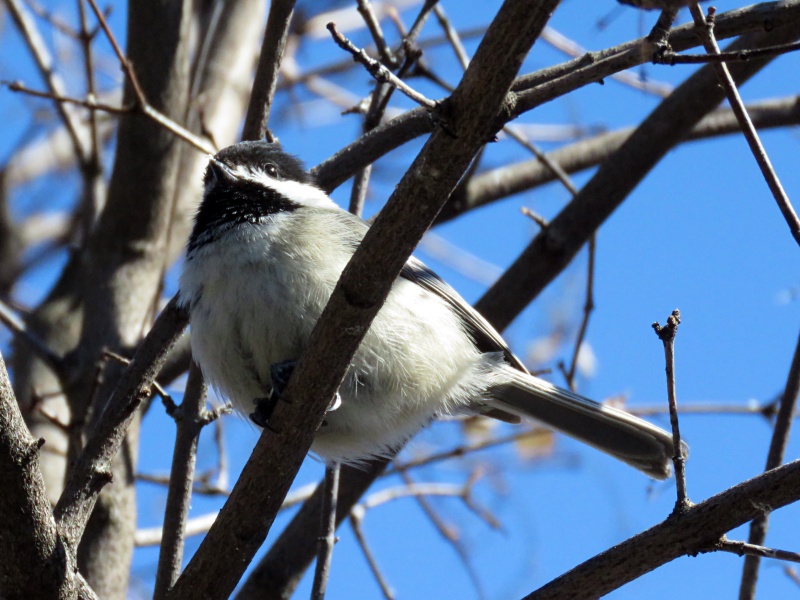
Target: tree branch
{"x":269,"y":64}
{"x":191,"y":417}
{"x":777,"y":451}
{"x":92,"y":470}
{"x":554,"y":247}
{"x":34,"y":562}
{"x":686,"y":534}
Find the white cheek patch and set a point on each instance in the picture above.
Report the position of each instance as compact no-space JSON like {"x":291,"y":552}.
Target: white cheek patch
{"x":302,"y":193}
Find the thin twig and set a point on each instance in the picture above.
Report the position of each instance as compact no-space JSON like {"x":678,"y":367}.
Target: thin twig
{"x":16,"y":326}
{"x":452,"y":36}
{"x":706,"y":27}
{"x":463,"y":450}
{"x":327,"y":537}
{"x":55,"y":21}
{"x":449,"y":534}
{"x":746,"y":549}
{"x":222,"y":455}
{"x":671,"y":58}
{"x":588,"y":307}
{"x":356,"y":520}
{"x":667,"y":335}
{"x":190,"y":418}
{"x":777,"y":451}
{"x":44,"y":62}
{"x":266,"y":78}
{"x":792,"y":574}
{"x":152,"y":536}
{"x":374,"y":26}
{"x":751,"y":407}
{"x":169,"y":403}
{"x":92,"y":170}
{"x":141,"y":100}
{"x":200,"y":525}
{"x":377,"y":70}
{"x":626,"y":77}
{"x":410,"y":39}
{"x":145,"y":109}
{"x":382,"y":93}
{"x":201,"y":485}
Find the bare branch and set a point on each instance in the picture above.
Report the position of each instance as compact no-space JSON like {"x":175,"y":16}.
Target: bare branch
{"x":553,"y":248}
{"x":371,"y":20}
{"x":18,"y":328}
{"x":671,"y":58}
{"x":699,"y":529}
{"x":667,"y":335}
{"x":749,"y":131}
{"x":191,"y":417}
{"x":327,"y":534}
{"x":379,"y":71}
{"x":746,"y":549}
{"x":91,"y":472}
{"x":44,"y":62}
{"x":32,"y":564}
{"x":356,"y":518}
{"x":545,"y":85}
{"x":777,"y":451}
{"x":266,"y":79}
{"x":496,"y":184}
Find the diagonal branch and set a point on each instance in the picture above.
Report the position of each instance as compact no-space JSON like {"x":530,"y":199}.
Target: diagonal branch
{"x":33,"y":563}
{"x":748,"y":130}
{"x":90,"y":473}
{"x":44,"y":63}
{"x":553,"y":248}
{"x":536,"y":88}
{"x":699,"y":529}
{"x":269,"y":64}
{"x":777,"y":451}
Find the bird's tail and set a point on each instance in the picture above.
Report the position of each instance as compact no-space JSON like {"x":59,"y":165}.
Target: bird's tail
{"x":615,"y":432}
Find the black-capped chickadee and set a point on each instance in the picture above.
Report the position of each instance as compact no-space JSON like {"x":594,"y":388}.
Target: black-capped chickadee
{"x":266,"y":251}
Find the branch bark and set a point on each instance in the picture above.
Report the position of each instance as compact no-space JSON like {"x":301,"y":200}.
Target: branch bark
{"x":696,"y":530}
{"x":269,"y":65}
{"x":34,"y":561}
{"x":554,"y":247}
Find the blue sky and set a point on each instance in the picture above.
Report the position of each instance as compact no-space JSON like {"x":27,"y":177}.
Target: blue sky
{"x":701,"y":233}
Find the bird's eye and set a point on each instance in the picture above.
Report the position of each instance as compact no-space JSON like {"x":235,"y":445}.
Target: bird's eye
{"x":271,"y":170}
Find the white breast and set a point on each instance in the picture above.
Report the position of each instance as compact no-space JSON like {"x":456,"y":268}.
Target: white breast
{"x":255,"y":296}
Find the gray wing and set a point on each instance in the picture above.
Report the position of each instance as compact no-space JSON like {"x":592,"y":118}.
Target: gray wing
{"x":486,"y":337}
{"x":483,"y":334}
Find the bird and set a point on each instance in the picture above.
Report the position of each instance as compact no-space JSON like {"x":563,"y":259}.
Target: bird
{"x":267,"y":248}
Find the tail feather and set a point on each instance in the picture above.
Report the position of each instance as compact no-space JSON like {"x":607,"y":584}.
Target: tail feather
{"x":615,"y":432}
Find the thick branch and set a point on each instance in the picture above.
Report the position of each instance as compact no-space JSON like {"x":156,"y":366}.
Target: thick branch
{"x":34,"y":562}
{"x":553,"y":248}
{"x":495,"y":184}
{"x":694,"y":531}
{"x":547,"y":84}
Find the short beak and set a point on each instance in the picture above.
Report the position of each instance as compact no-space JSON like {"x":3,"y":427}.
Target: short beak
{"x":219,"y":171}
